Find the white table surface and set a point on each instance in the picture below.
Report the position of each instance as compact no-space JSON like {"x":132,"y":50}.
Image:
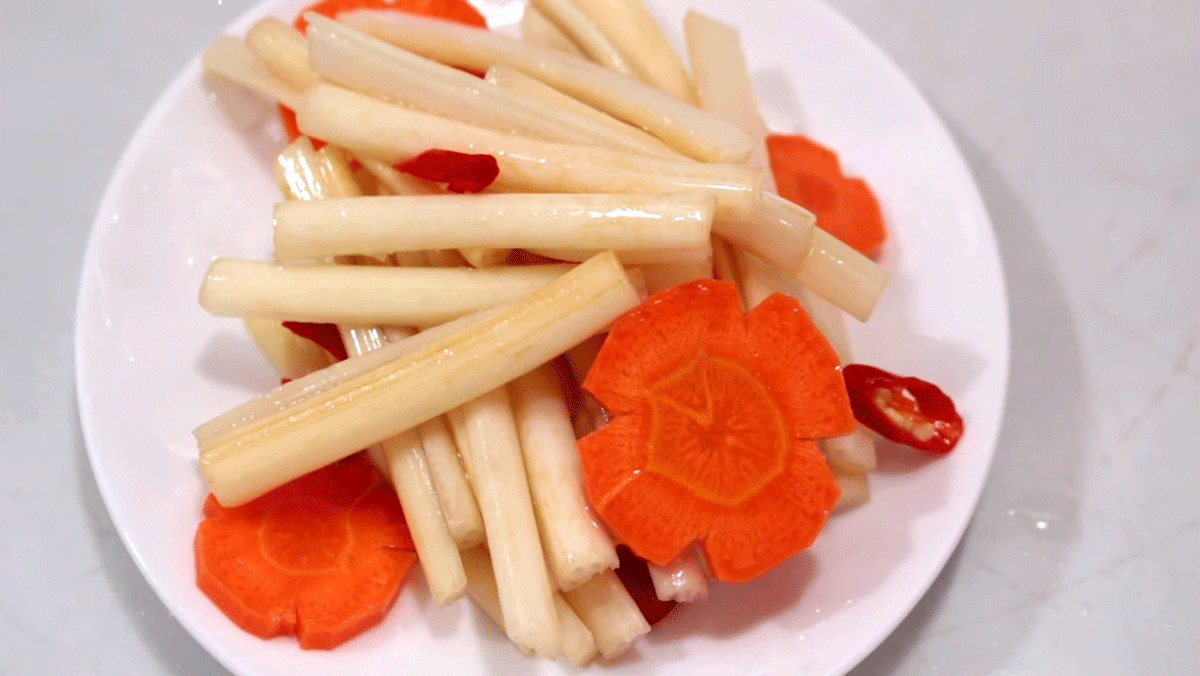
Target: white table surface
{"x":1081,"y":123}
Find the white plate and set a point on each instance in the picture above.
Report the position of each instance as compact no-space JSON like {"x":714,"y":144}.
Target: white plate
{"x":195,"y":183}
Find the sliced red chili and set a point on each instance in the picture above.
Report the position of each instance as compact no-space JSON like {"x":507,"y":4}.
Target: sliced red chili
{"x":462,"y":172}
{"x":635,"y":575}
{"x":325,"y":335}
{"x":907,"y":410}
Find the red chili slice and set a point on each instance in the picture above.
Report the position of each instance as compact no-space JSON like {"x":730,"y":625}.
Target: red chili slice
{"x":462,"y":172}
{"x":907,"y":410}
{"x":325,"y":335}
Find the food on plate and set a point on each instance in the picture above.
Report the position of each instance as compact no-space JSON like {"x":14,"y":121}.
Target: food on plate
{"x":713,"y":414}
{"x":322,"y":557}
{"x":579,"y":315}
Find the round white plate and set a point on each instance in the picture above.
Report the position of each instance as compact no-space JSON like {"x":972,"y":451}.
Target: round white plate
{"x":195,"y":183}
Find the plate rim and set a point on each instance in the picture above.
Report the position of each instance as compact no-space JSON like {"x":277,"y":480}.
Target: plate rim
{"x":143,"y":137}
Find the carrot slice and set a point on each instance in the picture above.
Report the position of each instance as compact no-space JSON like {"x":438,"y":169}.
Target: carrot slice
{"x":322,"y":557}
{"x":714,"y":411}
{"x":460,"y":11}
{"x":810,"y":175}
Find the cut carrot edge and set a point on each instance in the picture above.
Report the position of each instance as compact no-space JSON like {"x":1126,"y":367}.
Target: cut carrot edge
{"x":323,"y":557}
{"x":810,"y":175}
{"x":714,"y":412}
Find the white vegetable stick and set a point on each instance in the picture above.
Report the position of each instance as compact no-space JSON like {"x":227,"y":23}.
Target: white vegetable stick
{"x":283,"y":50}
{"x":693,"y":132}
{"x":453,"y":489}
{"x":855,"y":491}
{"x":362,"y":294}
{"x":577,"y":548}
{"x":722,"y":77}
{"x":251,"y":413}
{"x":402,"y":460}
{"x":490,"y":448}
{"x":379,"y":404}
{"x":364,"y":63}
{"x":685,"y":579}
{"x":436,"y":547}
{"x":772,"y":227}
{"x":229,"y":58}
{"x":392,"y":133}
{"x":537,"y":29}
{"x":619,"y":222}
{"x":581,"y":30}
{"x":640,"y":38}
{"x":831,"y":268}
{"x":577,"y":643}
{"x":291,"y":355}
{"x":638,"y":257}
{"x":303,"y":173}
{"x":661,"y":276}
{"x":609,"y":612}
{"x":313,"y":175}
{"x":514,"y":80}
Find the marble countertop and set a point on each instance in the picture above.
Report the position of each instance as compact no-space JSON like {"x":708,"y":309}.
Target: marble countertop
{"x":1081,"y":124}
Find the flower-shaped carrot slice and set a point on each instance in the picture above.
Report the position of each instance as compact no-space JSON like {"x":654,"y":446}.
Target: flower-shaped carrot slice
{"x":714,"y":412}
{"x":322,"y":557}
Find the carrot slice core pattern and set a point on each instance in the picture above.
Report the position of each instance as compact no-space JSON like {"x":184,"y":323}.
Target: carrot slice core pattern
{"x":713,"y":412}
{"x":322,"y":557}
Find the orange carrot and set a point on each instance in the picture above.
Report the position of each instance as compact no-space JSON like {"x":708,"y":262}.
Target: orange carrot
{"x":810,"y":175}
{"x":714,"y":412}
{"x":322,"y":557}
{"x":451,"y":10}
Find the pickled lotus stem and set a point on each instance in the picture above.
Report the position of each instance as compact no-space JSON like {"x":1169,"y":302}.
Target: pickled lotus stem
{"x":577,"y":643}
{"x":576,"y":546}
{"x":487,"y":438}
{"x":436,"y":547}
{"x":453,"y":489}
{"x":537,"y":29}
{"x":304,"y":173}
{"x":580,"y":29}
{"x":722,"y":77}
{"x":366,"y":64}
{"x":392,"y":133}
{"x":283,"y":50}
{"x":856,"y":490}
{"x":364,"y":294}
{"x":249,"y":414}
{"x":229,"y":58}
{"x":677,"y":223}
{"x":684,"y":579}
{"x":634,"y":137}
{"x":640,"y":39}
{"x":379,"y":403}
{"x":693,"y":132}
{"x":609,"y":612}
